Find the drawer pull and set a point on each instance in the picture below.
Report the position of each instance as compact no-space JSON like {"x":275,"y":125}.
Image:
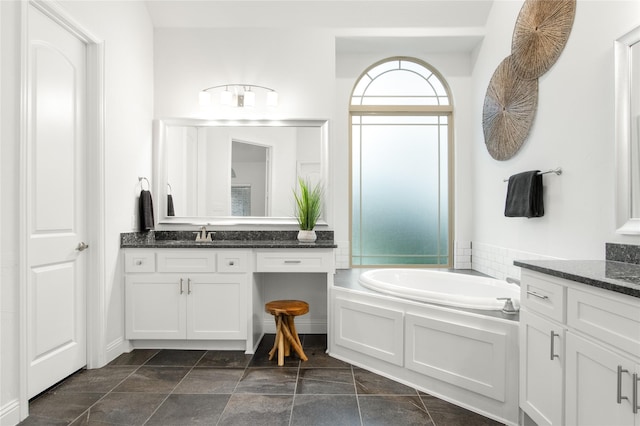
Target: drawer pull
{"x":538,"y":295}
{"x":293,"y":261}
{"x":181,"y":290}
{"x":635,"y":381}
{"x":188,"y":285}
{"x":231,"y":263}
{"x":552,"y":346}
{"x":620,"y":397}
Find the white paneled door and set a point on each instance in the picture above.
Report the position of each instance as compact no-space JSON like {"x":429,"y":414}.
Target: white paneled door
{"x":55,"y":206}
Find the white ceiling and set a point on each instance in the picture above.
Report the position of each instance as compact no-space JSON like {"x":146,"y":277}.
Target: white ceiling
{"x":360,"y":26}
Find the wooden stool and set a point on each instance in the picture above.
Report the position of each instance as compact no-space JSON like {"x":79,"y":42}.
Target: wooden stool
{"x":286,"y":335}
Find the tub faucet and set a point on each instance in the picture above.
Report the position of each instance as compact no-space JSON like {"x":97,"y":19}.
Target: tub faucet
{"x":508,"y":306}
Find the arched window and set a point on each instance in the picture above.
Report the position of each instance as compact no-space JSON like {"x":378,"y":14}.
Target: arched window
{"x":401,"y":166}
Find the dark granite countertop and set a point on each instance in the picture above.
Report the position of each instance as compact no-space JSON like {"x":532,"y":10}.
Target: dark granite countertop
{"x":619,"y":277}
{"x":224,"y":239}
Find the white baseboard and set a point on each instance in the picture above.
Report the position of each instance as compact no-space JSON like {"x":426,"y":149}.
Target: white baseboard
{"x":10,"y":413}
{"x":117,"y":348}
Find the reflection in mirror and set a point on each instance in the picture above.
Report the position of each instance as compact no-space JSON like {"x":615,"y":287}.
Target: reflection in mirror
{"x":627,"y":64}
{"x":250,"y":179}
{"x":230,"y":172}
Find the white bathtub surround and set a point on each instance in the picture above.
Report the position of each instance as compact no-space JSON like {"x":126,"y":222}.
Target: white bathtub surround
{"x":497,"y":262}
{"x":462,"y":255}
{"x":461,"y":356}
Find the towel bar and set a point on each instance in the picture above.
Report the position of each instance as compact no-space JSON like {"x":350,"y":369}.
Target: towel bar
{"x":557,"y":171}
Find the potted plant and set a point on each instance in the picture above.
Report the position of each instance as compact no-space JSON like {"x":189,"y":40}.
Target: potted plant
{"x":308,"y":208}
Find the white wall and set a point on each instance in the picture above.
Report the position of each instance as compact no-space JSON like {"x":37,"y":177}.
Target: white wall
{"x":573,"y":129}
{"x":126,"y":30}
{"x":299,"y":64}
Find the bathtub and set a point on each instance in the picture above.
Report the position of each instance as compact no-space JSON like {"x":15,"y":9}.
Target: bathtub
{"x":446,"y":288}
{"x":436,"y":331}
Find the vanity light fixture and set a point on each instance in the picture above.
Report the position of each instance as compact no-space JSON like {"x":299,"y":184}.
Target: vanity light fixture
{"x":239,"y":95}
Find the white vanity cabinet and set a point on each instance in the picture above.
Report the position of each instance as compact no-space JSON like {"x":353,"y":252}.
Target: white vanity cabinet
{"x":186,"y":294}
{"x":580,"y":353}
{"x":542,"y":333}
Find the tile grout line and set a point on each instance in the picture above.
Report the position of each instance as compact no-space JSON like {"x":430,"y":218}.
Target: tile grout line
{"x":355,"y":389}
{"x":233,"y":392}
{"x":110,"y":391}
{"x":174,"y":388}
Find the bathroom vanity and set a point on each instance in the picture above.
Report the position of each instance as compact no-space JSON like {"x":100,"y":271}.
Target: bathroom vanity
{"x":180,"y":293}
{"x":580,"y":342}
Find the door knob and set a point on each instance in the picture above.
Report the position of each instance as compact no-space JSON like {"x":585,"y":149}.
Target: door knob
{"x":82,"y":246}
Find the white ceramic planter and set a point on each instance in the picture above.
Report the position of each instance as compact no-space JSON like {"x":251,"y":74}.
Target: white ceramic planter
{"x":307,"y":236}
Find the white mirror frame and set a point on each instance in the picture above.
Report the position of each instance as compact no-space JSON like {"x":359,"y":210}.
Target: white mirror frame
{"x":625,"y":223}
{"x":159,"y":172}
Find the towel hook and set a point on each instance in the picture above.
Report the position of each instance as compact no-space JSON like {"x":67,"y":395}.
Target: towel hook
{"x":140,"y":179}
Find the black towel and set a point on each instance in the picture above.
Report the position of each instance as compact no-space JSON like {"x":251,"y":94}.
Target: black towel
{"x":524,"y":195}
{"x":145,"y":210}
{"x":170,"y":210}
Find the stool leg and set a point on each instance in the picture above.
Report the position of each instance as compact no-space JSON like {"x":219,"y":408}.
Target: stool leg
{"x":287,"y":344}
{"x":292,"y":328}
{"x":272,"y":352}
{"x":296,"y":346}
{"x":281,"y":345}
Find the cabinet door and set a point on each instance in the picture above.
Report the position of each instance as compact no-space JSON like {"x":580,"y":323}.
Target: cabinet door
{"x":217,"y":306}
{"x":541,"y":372}
{"x":593,"y":384}
{"x":155,"y":306}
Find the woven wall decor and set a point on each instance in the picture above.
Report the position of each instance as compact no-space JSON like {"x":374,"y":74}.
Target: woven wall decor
{"x":508,"y":112}
{"x":540,"y":34}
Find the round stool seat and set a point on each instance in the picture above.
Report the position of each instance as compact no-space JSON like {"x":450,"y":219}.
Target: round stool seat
{"x":284,"y":312}
{"x":287,"y":307}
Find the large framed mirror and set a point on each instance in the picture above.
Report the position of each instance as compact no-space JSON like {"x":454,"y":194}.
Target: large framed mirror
{"x":234,"y":172}
{"x":627,"y":91}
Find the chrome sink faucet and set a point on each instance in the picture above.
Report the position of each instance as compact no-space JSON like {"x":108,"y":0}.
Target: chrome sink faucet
{"x":203,"y":235}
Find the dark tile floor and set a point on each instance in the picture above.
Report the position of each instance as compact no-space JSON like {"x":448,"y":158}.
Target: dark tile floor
{"x":175,"y":387}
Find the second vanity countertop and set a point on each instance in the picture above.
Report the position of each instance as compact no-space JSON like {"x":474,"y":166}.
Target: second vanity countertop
{"x":619,"y":277}
{"x":224,"y":239}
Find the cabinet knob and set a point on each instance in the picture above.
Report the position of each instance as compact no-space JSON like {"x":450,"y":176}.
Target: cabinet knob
{"x":231,"y":263}
{"x":138,"y":262}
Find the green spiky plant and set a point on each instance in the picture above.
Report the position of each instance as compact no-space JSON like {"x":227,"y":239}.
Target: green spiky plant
{"x":308,"y":204}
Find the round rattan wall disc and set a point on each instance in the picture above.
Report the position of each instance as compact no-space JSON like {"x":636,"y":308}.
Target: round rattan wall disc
{"x":508,"y":111}
{"x":541,"y":32}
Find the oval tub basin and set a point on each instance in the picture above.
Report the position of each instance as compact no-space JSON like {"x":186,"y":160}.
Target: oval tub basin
{"x":441,"y":287}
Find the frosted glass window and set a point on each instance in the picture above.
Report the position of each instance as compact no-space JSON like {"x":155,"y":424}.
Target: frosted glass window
{"x":400,"y":169}
{"x":240,"y":200}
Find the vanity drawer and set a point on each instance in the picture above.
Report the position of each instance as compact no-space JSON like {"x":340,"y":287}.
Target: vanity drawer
{"x":608,"y":317}
{"x":186,"y":260}
{"x":309,"y":260}
{"x":237,"y":262}
{"x":139,"y":261}
{"x":541,"y":294}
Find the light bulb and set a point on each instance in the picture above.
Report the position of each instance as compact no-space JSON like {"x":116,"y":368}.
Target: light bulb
{"x":249,"y":98}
